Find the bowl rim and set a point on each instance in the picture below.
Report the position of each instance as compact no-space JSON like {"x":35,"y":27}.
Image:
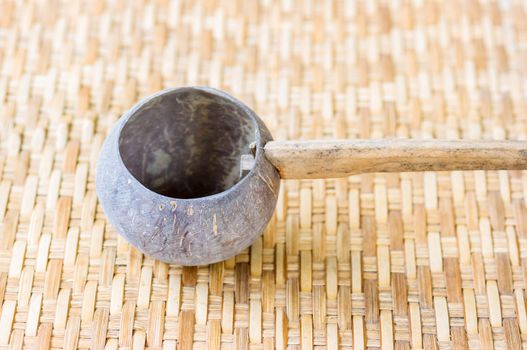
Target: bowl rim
{"x":249,"y":113}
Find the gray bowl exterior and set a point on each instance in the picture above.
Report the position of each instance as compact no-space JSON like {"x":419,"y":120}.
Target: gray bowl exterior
{"x":194,"y":231}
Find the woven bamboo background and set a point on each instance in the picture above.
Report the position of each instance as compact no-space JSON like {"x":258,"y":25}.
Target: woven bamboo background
{"x":424,"y":260}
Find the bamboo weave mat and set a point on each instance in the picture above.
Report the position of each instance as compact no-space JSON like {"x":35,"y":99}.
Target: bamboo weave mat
{"x":424,"y":260}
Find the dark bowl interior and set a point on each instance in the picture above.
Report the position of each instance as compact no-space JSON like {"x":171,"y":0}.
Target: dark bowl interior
{"x":187,"y":143}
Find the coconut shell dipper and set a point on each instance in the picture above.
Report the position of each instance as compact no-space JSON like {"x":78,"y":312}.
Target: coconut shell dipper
{"x":191,"y":175}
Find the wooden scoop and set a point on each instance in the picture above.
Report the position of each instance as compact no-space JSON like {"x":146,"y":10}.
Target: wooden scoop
{"x":191,"y":175}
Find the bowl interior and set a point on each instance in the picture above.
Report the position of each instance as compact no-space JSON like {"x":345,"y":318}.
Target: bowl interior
{"x":187,"y":143}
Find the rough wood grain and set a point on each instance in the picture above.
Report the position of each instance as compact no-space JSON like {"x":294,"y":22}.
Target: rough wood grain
{"x":340,"y":158}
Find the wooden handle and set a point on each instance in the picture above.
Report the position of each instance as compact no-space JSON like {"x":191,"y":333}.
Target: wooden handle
{"x":339,"y":158}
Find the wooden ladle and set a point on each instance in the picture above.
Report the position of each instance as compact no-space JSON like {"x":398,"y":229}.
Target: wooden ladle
{"x":191,"y":175}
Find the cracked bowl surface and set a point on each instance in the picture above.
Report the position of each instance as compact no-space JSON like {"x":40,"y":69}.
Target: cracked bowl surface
{"x":168,"y":176}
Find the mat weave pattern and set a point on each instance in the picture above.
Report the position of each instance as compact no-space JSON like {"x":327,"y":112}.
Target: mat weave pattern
{"x":422,"y":260}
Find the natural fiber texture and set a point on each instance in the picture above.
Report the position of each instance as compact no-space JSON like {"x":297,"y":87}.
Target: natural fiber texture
{"x":427,"y":260}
